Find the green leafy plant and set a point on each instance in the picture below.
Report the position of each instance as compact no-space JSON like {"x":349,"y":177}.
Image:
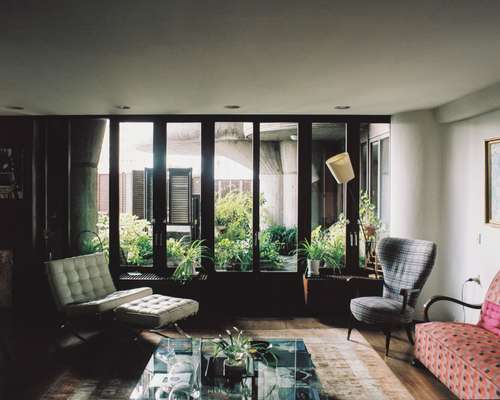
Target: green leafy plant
{"x":238,"y":347}
{"x":368,"y":218}
{"x":176,"y":247}
{"x":191,"y":257}
{"x":285,"y":237}
{"x":313,"y":249}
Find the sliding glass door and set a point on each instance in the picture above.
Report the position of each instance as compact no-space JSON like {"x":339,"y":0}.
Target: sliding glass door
{"x":250,"y":191}
{"x":328,"y":201}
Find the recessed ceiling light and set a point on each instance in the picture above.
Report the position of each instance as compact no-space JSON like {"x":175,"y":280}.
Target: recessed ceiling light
{"x":123,"y":107}
{"x":232,"y":106}
{"x":16,"y":108}
{"x":342,"y":107}
{"x":293,"y":137}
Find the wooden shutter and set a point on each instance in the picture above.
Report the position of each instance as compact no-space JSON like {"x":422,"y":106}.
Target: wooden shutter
{"x":179,"y":196}
{"x":148,"y":193}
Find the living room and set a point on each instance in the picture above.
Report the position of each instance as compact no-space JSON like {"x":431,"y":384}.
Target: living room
{"x":250,"y":200}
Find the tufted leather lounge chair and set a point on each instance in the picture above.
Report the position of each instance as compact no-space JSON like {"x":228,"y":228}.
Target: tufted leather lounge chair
{"x":83,"y":286}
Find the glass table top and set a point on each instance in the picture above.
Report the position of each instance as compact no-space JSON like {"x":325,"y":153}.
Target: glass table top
{"x":185,"y":369}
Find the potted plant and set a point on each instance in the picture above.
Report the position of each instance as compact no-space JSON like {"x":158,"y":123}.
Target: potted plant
{"x":314,"y":251}
{"x":239,"y":350}
{"x":175,"y":250}
{"x":192,"y":256}
{"x":236,"y":350}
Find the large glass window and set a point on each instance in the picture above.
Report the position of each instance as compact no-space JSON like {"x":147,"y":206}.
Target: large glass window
{"x":375,"y":191}
{"x":233,"y":191}
{"x":136,"y":189}
{"x":278,"y":196}
{"x":328,"y":220}
{"x":183,"y":166}
{"x":385,"y":183}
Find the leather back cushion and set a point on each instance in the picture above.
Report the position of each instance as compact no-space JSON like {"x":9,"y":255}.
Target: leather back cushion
{"x":490,"y":312}
{"x":79,"y":279}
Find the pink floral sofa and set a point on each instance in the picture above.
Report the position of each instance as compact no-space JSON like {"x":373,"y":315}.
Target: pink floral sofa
{"x":464,"y":357}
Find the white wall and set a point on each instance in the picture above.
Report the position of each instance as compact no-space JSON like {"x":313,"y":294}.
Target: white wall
{"x":463,"y":198}
{"x":437,"y":181}
{"x":415,"y":183}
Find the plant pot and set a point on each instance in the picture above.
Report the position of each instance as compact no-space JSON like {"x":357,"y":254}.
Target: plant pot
{"x":313,"y":267}
{"x":234,"y":369}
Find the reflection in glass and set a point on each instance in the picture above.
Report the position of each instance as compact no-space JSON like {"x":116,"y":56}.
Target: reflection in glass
{"x":327,"y":218}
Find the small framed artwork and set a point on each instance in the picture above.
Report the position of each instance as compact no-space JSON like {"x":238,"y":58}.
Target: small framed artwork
{"x":492,"y":148}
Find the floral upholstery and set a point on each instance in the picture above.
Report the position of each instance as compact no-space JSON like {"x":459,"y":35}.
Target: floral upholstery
{"x":465,"y":357}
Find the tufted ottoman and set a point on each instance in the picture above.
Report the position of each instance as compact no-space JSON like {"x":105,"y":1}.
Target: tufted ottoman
{"x":156,"y":311}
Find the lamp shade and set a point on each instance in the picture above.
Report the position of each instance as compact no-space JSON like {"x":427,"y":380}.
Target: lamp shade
{"x":341,"y":168}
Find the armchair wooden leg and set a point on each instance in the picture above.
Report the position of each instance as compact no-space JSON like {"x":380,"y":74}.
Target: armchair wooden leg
{"x":387,"y":332}
{"x":410,"y":334}
{"x":351,"y":324}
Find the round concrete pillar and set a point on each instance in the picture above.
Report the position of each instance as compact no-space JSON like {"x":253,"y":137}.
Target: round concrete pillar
{"x":86,"y":142}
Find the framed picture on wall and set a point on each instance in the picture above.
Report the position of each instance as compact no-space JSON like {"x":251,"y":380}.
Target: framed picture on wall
{"x":493,"y":182}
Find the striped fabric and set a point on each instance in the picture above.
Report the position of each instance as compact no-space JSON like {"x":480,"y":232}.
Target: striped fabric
{"x":406,"y":264}
{"x":377,"y":310}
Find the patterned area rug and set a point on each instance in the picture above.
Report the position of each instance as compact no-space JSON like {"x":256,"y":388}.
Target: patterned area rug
{"x":347,"y":370}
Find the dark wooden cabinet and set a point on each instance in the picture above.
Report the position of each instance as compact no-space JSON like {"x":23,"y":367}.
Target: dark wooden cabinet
{"x":331,"y":294}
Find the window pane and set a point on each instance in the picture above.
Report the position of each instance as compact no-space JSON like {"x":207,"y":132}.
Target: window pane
{"x":327,"y":217}
{"x":233,"y":196}
{"x":278,"y":196}
{"x":374,"y":173}
{"x":183,"y":163}
{"x":135,"y":179}
{"x":385,"y":188}
{"x":363,"y":169}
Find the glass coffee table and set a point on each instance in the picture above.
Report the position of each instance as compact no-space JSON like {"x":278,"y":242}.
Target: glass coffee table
{"x":185,"y":369}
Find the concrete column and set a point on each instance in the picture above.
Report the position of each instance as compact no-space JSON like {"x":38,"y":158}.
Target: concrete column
{"x":288,"y":151}
{"x":86,"y":142}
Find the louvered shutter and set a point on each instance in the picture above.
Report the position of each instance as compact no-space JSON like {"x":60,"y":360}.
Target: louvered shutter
{"x":179,"y":196}
{"x":148,"y":193}
{"x":138,"y":194}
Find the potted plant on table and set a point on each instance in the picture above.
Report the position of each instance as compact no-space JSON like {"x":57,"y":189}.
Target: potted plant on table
{"x":239,"y":350}
{"x":314,"y":252}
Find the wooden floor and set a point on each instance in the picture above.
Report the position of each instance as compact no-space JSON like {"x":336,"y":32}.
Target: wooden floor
{"x":34,"y":369}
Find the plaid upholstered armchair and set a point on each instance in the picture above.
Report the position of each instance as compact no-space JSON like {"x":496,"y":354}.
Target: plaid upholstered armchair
{"x":406,"y":265}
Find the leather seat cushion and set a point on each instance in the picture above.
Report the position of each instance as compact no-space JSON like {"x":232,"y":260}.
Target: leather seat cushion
{"x":380,"y":310}
{"x":106,"y":303}
{"x":156,"y":311}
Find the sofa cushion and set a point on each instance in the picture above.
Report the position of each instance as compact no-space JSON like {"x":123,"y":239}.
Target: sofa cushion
{"x":379,"y":310}
{"x":156,"y":311}
{"x":106,"y":303}
{"x":465,"y":357}
{"x":79,"y":279}
{"x":490,"y":312}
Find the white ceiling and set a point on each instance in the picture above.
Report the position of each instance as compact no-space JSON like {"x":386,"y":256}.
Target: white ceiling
{"x":283,"y":56}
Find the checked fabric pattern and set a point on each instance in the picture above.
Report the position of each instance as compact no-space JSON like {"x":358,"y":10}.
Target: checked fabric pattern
{"x":465,"y":357}
{"x":406,"y":264}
